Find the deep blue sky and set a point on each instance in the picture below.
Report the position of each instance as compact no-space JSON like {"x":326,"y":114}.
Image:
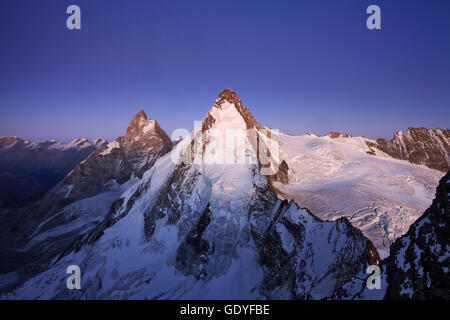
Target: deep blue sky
{"x":298,"y":65}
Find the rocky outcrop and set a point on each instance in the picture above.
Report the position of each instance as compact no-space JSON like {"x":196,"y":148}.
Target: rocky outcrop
{"x":282,"y":175}
{"x":418,"y":267}
{"x":429,"y":147}
{"x":335,"y":135}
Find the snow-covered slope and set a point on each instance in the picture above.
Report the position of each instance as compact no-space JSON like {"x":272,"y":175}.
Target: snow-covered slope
{"x":334,"y":176}
{"x":194,"y":228}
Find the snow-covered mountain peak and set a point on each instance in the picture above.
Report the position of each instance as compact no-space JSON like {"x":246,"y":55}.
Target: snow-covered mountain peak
{"x":229,"y":110}
{"x":80,"y":142}
{"x":230,"y":135}
{"x":100,"y":142}
{"x":226,"y":116}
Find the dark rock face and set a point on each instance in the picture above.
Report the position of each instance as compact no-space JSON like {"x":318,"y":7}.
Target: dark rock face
{"x":418,"y":267}
{"x":171,"y":201}
{"x":282,"y":175}
{"x":40,"y":164}
{"x":290,"y":252}
{"x":429,"y":147}
{"x":194,"y":252}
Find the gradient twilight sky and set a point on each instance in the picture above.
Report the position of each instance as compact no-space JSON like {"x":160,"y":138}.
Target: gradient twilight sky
{"x":299,"y":66}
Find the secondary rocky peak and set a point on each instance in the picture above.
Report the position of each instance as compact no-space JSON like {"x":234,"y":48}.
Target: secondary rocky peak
{"x":136,"y":125}
{"x":127,"y":156}
{"x":143,"y":129}
{"x":144,"y":138}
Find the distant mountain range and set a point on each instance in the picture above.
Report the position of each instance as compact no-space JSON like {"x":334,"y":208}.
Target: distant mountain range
{"x":28,"y":169}
{"x":147,"y":219}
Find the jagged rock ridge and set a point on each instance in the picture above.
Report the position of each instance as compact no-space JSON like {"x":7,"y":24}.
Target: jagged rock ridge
{"x":429,"y":147}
